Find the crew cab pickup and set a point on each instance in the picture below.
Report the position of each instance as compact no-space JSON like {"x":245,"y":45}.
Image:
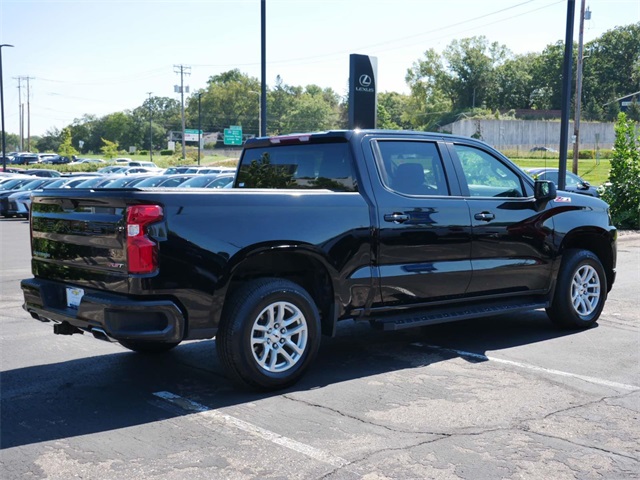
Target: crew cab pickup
{"x":401,"y":229}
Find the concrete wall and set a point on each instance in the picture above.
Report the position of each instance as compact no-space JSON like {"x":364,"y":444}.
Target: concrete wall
{"x":526,"y":134}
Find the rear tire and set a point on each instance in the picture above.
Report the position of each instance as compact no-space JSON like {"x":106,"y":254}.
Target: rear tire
{"x":581,"y":290}
{"x":141,"y":346}
{"x":269,"y":334}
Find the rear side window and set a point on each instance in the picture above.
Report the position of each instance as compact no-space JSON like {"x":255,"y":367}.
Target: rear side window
{"x":412,"y":167}
{"x":310,"y":166}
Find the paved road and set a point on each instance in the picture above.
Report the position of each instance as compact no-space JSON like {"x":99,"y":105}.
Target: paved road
{"x":503,"y":397}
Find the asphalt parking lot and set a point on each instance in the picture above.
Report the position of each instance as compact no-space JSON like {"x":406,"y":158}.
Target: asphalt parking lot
{"x":503,"y":397}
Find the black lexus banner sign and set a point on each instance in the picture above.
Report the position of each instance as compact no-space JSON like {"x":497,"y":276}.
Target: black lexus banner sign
{"x":363,"y":97}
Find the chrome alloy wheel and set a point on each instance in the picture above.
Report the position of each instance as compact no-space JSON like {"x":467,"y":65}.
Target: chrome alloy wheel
{"x":585,"y":290}
{"x":279,"y":337}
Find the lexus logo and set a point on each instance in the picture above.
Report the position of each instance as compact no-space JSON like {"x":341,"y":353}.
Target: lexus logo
{"x":365,"y":80}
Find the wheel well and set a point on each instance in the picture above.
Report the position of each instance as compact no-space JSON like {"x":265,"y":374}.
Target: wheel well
{"x":301,"y":268}
{"x":597,"y":243}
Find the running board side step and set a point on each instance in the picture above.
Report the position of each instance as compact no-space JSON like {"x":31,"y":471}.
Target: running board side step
{"x":433,"y":316}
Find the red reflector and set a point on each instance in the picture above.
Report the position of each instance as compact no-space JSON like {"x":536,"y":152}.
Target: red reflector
{"x":142,"y":251}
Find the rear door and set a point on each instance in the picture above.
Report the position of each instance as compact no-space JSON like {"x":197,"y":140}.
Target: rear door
{"x":423,"y":236}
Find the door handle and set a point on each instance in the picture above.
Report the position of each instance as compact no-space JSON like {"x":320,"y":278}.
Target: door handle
{"x":396,"y":217}
{"x":484,"y":216}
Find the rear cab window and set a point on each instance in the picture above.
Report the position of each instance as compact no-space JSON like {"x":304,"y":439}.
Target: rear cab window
{"x":327,"y":166}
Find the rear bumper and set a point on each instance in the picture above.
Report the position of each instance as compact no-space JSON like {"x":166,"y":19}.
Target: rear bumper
{"x":119,"y":317}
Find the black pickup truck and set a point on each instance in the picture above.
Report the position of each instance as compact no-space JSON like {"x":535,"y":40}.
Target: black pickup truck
{"x":400,"y":229}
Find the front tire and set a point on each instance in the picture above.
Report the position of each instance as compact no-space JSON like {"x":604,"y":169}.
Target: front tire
{"x":269,"y":334}
{"x":581,"y":290}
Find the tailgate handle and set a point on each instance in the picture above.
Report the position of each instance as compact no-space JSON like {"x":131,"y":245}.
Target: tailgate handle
{"x":396,"y":217}
{"x":484,"y":216}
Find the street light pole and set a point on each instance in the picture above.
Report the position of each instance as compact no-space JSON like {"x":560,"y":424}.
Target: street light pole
{"x":150,"y":130}
{"x":4,"y":158}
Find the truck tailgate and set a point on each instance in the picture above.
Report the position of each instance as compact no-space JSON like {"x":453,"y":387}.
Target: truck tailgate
{"x":80,"y":240}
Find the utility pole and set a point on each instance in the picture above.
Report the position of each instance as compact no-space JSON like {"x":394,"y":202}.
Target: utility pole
{"x":182,"y":70}
{"x":150,"y":130}
{"x":576,"y":117}
{"x":28,"y":115}
{"x":20,"y":113}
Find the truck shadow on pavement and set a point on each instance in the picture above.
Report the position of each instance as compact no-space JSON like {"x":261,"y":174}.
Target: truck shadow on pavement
{"x":102,"y":393}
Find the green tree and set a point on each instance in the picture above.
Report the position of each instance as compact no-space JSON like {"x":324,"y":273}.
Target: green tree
{"x":430,"y":98}
{"x":12,"y":142}
{"x":611,"y":67}
{"x":310,"y":112}
{"x":109,"y":149}
{"x":472,"y":64}
{"x":395,"y":104}
{"x":513,"y":83}
{"x":50,"y":141}
{"x":612,"y":111}
{"x":623,"y":195}
{"x":546,"y":73}
{"x":592,"y":112}
{"x":633,"y":111}
{"x":66,"y":148}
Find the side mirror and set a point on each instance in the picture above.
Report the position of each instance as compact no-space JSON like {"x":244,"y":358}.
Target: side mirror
{"x":545,"y":190}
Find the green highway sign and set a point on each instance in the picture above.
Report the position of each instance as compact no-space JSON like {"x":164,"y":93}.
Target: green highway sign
{"x":233,"y":135}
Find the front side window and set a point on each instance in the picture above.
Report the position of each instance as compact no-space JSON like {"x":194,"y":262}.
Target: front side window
{"x":309,"y":166}
{"x":412,"y":167}
{"x":487,"y":176}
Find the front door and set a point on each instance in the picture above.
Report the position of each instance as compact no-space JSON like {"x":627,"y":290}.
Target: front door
{"x":511,"y":253}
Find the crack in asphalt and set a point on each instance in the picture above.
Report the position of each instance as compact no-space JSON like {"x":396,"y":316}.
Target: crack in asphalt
{"x":358,"y":419}
{"x":520,"y":427}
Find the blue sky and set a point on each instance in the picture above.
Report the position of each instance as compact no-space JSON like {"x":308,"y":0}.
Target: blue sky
{"x":103,"y":56}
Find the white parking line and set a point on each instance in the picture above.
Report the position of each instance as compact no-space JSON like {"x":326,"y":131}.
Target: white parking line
{"x":199,"y":409}
{"x":478,"y":356}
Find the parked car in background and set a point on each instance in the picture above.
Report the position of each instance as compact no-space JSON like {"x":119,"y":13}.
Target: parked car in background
{"x":179,"y":169}
{"x":29,"y":186}
{"x":151,"y":181}
{"x":224,"y":180}
{"x":573,"y":183}
{"x":20,"y":202}
{"x":122,"y":160}
{"x":44,"y":156}
{"x":143,"y":164}
{"x":544,"y":149}
{"x":42,"y":172}
{"x":25,"y":159}
{"x":55,"y":160}
{"x":14,"y":183}
{"x":80,"y":161}
{"x":111,"y":169}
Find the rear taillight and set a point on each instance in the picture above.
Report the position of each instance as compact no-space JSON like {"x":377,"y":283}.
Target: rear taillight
{"x":142,"y":251}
